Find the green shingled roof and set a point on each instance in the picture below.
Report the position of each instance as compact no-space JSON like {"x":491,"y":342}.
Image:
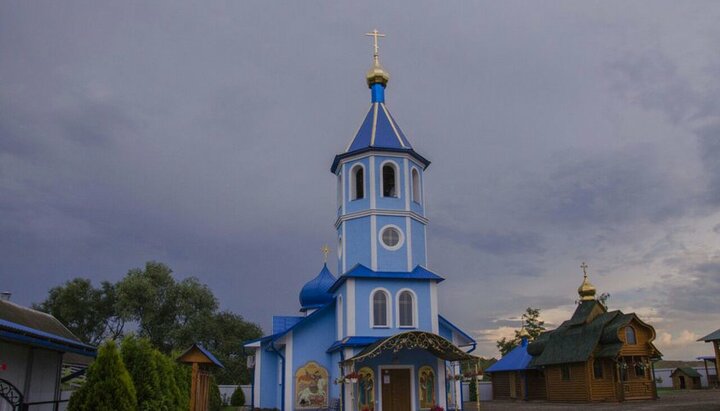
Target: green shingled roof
{"x":690,"y":372}
{"x":715,"y":335}
{"x":581,"y":337}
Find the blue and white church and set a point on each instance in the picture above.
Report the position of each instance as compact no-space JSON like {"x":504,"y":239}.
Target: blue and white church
{"x":371,"y":338}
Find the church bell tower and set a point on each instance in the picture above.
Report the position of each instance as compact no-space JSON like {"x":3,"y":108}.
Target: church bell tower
{"x":381,"y":220}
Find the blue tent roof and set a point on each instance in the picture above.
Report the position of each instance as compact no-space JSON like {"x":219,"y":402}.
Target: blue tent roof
{"x":314,"y":293}
{"x":379,"y":132}
{"x":281,"y":323}
{"x":516,"y":360}
{"x":360,"y":271}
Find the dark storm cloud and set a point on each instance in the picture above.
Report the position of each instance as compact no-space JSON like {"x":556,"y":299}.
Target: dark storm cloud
{"x":201,"y":135}
{"x":493,"y":242}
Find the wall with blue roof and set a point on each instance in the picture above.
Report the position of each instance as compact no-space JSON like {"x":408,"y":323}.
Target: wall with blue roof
{"x":418,"y":244}
{"x":352,"y":206}
{"x":357,"y":248}
{"x":269,"y":379}
{"x":311,"y":339}
{"x":392,"y":260}
{"x":363,"y":288}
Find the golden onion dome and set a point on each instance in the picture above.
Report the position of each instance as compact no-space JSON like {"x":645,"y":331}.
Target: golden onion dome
{"x":586,"y":290}
{"x":377,"y":75}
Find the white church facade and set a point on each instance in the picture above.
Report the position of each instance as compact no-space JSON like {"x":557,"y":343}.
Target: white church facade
{"x":371,"y":338}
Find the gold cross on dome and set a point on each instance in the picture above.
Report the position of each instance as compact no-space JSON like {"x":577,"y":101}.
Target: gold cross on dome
{"x":325,"y":250}
{"x":375,"y":34}
{"x":584,"y":268}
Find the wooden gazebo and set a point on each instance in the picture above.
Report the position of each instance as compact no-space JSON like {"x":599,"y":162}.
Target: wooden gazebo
{"x":201,"y":361}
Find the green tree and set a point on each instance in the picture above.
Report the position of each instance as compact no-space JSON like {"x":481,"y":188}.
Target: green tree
{"x":238,"y":398}
{"x":162,"y":307}
{"x":221,"y":333}
{"x":108,"y":386}
{"x":532,"y":324}
{"x":171,"y":396}
{"x":89,"y":312}
{"x":214,"y":398}
{"x":140,"y":361}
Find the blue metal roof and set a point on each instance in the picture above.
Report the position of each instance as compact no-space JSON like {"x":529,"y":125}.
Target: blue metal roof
{"x":283,"y":322}
{"x":357,"y":341}
{"x":360,"y":271}
{"x":516,"y":360}
{"x":210,"y":356}
{"x":21,"y":333}
{"x":314,"y":293}
{"x":275,"y":336}
{"x":448,"y":324}
{"x":380,"y":132}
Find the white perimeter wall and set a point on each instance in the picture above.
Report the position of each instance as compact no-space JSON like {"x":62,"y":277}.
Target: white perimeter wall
{"x":664,"y":373}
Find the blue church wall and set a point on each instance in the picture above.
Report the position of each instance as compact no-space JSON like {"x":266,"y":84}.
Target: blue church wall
{"x":388,"y":260}
{"x":418,"y":244}
{"x":352,"y":206}
{"x":269,"y":379}
{"x":310,"y":342}
{"x":390,"y":203}
{"x":363,"y":289}
{"x":357,"y":243}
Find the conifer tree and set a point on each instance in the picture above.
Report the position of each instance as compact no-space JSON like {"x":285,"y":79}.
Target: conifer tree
{"x":139,"y":358}
{"x":108,"y":386}
{"x":171,"y":397}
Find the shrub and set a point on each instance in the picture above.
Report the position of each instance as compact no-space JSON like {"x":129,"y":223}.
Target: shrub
{"x":238,"y":398}
{"x":139,"y":358}
{"x":215,"y":400}
{"x":108,"y":386}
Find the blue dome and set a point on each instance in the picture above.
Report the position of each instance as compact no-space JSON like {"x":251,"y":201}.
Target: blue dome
{"x":314,"y":293}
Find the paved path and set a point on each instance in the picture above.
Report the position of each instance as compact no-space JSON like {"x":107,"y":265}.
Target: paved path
{"x":701,"y":400}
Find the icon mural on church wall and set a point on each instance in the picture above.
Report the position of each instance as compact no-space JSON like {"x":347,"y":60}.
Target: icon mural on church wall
{"x":366,"y":390}
{"x":311,"y":386}
{"x":427,"y":387}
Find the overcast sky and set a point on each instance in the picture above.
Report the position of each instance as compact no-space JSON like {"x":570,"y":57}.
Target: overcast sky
{"x":201,"y":135}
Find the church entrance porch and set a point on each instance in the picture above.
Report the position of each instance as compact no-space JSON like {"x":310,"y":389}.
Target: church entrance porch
{"x":405,"y":372}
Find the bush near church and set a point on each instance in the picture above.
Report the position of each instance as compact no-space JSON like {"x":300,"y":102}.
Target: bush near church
{"x":108,"y":386}
{"x":238,"y":398}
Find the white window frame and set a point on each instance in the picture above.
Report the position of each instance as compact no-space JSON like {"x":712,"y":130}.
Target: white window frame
{"x":413,"y":172}
{"x":352,"y":192}
{"x":400,"y":243}
{"x":388,"y":307}
{"x":396,"y":167}
{"x":414,"y":308}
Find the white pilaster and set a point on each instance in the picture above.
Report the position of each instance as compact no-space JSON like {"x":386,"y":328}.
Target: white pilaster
{"x":408,"y":242}
{"x":442,"y":396}
{"x":406,"y":173}
{"x":289,"y":403}
{"x":373,"y":242}
{"x":350,"y":304}
{"x":434,"y":307}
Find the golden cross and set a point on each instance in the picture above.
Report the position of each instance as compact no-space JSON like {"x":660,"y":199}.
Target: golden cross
{"x":584,"y":268}
{"x":325,"y":250}
{"x":375,"y":34}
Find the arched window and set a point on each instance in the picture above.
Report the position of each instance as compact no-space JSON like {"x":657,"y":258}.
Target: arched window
{"x":416,"y":186}
{"x":389,"y":180}
{"x":597,"y":369}
{"x":357,"y":183}
{"x":339,"y":191}
{"x":406,"y":309}
{"x":380,"y":312}
{"x":630,"y":336}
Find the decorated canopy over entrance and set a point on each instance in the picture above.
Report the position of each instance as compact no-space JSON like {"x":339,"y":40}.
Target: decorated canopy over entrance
{"x":433,"y":343}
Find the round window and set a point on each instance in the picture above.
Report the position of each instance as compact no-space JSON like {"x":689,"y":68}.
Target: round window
{"x":391,"y":237}
{"x":339,"y":250}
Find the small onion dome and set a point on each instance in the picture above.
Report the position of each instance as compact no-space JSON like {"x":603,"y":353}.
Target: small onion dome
{"x":314,"y":293}
{"x":377,"y":75}
{"x":586,"y":290}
